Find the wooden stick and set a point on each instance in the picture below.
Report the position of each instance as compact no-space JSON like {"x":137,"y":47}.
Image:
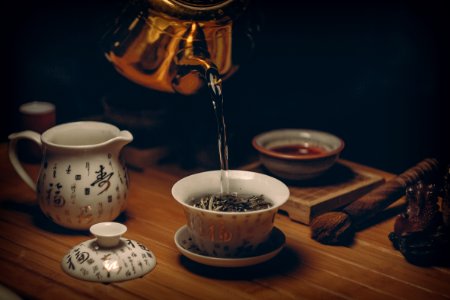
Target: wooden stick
{"x":339,"y":227}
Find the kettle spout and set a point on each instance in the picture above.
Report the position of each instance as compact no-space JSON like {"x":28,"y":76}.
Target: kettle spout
{"x":192,"y":61}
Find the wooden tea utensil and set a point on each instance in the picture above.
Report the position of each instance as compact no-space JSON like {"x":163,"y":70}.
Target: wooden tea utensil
{"x":339,"y":227}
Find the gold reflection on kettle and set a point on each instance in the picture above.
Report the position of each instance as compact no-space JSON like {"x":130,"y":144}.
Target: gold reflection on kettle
{"x":167,"y":45}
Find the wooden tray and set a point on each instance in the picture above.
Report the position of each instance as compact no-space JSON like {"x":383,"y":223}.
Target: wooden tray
{"x":342,"y":184}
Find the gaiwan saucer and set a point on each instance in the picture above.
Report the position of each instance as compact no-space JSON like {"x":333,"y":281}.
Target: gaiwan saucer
{"x":270,"y":249}
{"x":109,"y":257}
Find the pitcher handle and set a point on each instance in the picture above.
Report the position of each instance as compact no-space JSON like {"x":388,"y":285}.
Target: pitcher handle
{"x":13,"y":138}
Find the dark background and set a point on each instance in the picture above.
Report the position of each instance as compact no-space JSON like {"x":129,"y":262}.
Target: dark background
{"x":374,"y":73}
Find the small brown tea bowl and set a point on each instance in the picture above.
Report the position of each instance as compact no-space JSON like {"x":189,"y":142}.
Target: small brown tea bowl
{"x":298,"y":154}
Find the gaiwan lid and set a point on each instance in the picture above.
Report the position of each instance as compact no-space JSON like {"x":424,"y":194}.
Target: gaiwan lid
{"x":109,"y":257}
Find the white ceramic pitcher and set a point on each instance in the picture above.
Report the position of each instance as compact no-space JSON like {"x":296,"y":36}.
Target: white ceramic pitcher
{"x":82,"y":180}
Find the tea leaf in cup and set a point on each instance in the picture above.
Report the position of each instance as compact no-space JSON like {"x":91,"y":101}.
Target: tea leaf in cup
{"x":231,"y":202}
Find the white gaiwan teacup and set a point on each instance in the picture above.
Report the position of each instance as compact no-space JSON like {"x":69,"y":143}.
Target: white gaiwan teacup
{"x":229,"y":234}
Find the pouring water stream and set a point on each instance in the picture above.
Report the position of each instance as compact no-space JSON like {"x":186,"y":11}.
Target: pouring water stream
{"x":215,"y":88}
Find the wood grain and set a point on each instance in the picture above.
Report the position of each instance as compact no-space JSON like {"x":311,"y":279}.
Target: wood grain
{"x":31,"y":248}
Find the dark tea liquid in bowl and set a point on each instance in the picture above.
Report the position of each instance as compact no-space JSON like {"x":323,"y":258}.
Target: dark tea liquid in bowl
{"x":299,"y":150}
{"x":231,"y":202}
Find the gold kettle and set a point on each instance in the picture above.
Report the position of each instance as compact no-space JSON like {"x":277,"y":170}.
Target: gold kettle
{"x":168,"y":45}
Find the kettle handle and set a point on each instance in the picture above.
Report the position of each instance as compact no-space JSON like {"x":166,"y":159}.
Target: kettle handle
{"x":12,"y":151}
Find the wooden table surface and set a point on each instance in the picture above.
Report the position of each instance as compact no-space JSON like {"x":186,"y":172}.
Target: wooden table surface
{"x":31,"y":249}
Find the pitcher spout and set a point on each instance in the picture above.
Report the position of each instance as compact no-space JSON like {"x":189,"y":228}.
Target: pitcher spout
{"x":123,"y":138}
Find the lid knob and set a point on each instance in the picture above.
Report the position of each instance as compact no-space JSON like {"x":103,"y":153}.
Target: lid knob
{"x":108,"y":233}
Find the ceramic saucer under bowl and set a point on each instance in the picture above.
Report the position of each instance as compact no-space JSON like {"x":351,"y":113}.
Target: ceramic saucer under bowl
{"x":267,"y":251}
